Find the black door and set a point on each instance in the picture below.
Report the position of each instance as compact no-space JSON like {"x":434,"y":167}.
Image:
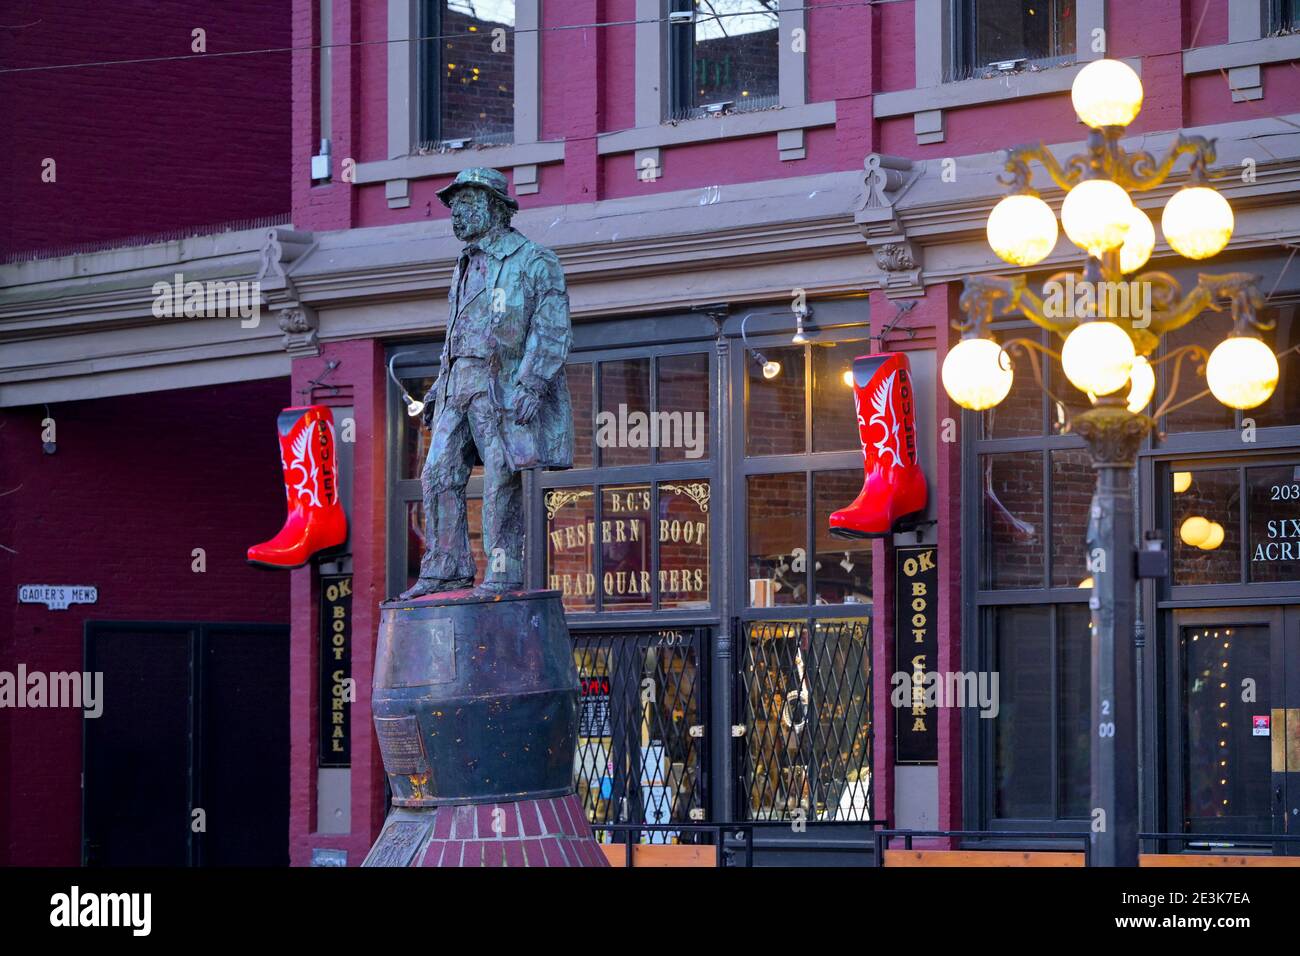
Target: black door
{"x":188,"y":764}
{"x":1237,"y":723}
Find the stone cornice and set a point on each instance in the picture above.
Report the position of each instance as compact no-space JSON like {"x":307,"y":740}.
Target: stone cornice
{"x":90,"y":316}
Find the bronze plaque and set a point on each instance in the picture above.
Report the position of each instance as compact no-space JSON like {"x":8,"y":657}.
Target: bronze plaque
{"x":396,"y":846}
{"x":400,"y":745}
{"x":417,"y":653}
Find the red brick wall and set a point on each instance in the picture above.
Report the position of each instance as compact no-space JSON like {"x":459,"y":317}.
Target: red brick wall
{"x":137,"y":483}
{"x":142,"y":147}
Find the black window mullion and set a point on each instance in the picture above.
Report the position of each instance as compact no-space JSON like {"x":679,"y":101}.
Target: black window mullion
{"x":653,"y":531}
{"x":597,"y":551}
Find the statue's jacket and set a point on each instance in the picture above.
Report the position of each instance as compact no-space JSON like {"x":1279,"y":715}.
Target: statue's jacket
{"x":528,"y":339}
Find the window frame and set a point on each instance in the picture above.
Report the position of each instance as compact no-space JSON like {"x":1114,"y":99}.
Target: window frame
{"x":681,"y":69}
{"x":404,"y":163}
{"x":980,"y":602}
{"x":961,"y":59}
{"x":599,"y":477}
{"x":807,"y":463}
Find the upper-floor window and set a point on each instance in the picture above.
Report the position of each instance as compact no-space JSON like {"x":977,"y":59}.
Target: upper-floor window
{"x":993,"y":36}
{"x":1284,"y":16}
{"x":725,"y":58}
{"x":467,"y":72}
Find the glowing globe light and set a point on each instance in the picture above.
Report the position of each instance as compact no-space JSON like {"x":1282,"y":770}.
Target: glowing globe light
{"x":1107,"y":93}
{"x":1022,"y":229}
{"x":1197,"y":222}
{"x":1098,"y":357}
{"x":1143,"y":379}
{"x":1138,"y":241}
{"x":1194,"y":530}
{"x":1214,"y":538}
{"x":1242,"y":372}
{"x":1182,"y":481}
{"x":1096,"y":215}
{"x":771,"y":369}
{"x":977,"y":374}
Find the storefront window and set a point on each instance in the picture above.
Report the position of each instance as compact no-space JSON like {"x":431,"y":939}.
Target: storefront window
{"x":624,"y":392}
{"x":637,"y":760}
{"x":841,"y":568}
{"x":1072,"y":487}
{"x":1041,"y":741}
{"x":1013,"y":519}
{"x":684,"y":544}
{"x":414,"y":437}
{"x":807,"y":698}
{"x":835,"y":425}
{"x":1273,"y":523}
{"x":777,"y":536}
{"x":1020,"y":414}
{"x":628,"y":541}
{"x":1205,"y":413}
{"x":1283,"y":406}
{"x":1207,"y":526}
{"x":774,"y":408}
{"x":682,"y":397}
{"x":625,"y":547}
{"x":580,"y":394}
{"x":570,"y":556}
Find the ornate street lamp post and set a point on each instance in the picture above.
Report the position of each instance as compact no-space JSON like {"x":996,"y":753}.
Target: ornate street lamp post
{"x":1109,"y":327}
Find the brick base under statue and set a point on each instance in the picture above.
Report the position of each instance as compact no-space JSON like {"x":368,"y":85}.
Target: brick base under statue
{"x":551,"y":831}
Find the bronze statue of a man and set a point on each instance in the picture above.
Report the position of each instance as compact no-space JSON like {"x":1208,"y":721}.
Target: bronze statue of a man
{"x":501,"y":397}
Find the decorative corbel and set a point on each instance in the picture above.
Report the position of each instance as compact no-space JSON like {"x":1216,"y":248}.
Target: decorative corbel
{"x":300,"y":326}
{"x":885,"y":180}
{"x":280,"y":249}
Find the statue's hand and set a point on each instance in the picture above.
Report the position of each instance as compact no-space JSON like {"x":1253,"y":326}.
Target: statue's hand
{"x":526,"y":403}
{"x":430,"y":403}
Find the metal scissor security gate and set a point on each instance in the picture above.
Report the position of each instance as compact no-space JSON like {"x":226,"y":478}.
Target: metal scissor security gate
{"x":804,"y":703}
{"x":641,"y":741}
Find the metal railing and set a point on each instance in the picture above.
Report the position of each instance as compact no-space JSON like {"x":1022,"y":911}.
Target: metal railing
{"x":718,"y":831}
{"x":1215,"y":842}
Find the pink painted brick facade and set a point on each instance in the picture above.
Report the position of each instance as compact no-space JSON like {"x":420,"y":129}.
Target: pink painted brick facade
{"x":213,"y":482}
{"x":141,"y":148}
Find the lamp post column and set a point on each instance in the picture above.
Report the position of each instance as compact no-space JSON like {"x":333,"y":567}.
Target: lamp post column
{"x":1113,"y":434}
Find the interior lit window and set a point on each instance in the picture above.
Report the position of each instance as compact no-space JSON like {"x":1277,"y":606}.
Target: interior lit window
{"x":725,"y":59}
{"x":467,"y":72}
{"x":996,"y":36}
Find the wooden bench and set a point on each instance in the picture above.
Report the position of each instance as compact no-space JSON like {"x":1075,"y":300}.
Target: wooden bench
{"x":661,"y":854}
{"x":981,"y":858}
{"x":1215,"y":859}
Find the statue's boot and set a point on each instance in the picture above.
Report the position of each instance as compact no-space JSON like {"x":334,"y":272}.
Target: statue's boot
{"x":435,"y":586}
{"x":492,"y":588}
{"x":316,"y":521}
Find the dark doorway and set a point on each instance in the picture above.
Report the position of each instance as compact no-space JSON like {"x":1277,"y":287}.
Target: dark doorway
{"x":195,"y":718}
{"x":1238,"y":683}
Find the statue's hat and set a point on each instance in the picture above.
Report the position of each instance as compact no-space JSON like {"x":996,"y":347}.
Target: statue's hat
{"x":493,"y":180}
